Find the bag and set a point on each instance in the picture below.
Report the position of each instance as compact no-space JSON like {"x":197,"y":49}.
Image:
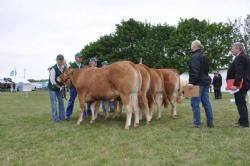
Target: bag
{"x":230,"y":83}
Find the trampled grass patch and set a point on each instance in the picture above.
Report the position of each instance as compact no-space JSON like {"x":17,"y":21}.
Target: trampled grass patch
{"x":28,"y":137}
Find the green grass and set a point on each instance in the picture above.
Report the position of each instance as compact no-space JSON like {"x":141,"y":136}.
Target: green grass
{"x":29,"y":138}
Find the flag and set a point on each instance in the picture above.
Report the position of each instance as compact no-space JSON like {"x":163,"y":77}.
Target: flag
{"x":12,"y":73}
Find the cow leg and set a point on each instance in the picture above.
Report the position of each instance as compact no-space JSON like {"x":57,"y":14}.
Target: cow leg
{"x":147,"y":112}
{"x":97,"y":109}
{"x":82,"y":104}
{"x":129,"y":108}
{"x":173,"y":104}
{"x":159,"y":98}
{"x":129,"y":116}
{"x":118,"y":108}
{"x":140,"y":114}
{"x":173,"y":108}
{"x":134,"y":101}
{"x":93,"y":112}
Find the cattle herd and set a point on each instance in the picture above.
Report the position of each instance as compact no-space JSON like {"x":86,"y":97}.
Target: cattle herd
{"x":136,"y":86}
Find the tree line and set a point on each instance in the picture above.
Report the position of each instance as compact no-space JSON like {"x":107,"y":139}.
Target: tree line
{"x":166,"y":46}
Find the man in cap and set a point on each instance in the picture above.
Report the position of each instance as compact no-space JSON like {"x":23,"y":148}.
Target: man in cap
{"x":111,"y":105}
{"x":55,"y":90}
{"x":93,"y":62}
{"x":72,"y":90}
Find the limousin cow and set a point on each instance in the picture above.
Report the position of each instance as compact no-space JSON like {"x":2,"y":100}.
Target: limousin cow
{"x":118,"y":80}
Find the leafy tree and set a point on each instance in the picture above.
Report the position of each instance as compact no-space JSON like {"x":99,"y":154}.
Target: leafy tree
{"x":241,"y":31}
{"x":216,"y":38}
{"x":163,"y":46}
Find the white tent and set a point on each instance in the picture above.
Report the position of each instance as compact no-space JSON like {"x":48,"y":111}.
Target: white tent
{"x":24,"y":85}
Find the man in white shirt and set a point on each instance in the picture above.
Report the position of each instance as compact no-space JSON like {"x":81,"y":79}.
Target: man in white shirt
{"x":55,"y":90}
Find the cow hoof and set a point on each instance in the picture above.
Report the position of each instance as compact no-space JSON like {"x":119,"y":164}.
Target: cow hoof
{"x":92,"y":121}
{"x":174,"y":116}
{"x":126,"y":127}
{"x":148,"y":122}
{"x":78,"y":123}
{"x":158,"y":118}
{"x":136,"y":125}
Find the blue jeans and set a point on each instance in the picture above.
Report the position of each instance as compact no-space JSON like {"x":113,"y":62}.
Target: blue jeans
{"x":195,"y":103}
{"x":57,"y":106}
{"x":70,"y":106}
{"x":111,"y":106}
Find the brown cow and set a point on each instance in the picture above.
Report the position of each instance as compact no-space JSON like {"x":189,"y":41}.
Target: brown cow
{"x":156,"y":91}
{"x":120,"y":79}
{"x":142,"y":96}
{"x":173,"y":88}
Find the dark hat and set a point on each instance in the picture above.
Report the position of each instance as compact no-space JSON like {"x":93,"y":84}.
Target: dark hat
{"x":78,"y":55}
{"x":93,"y":59}
{"x":105,"y":63}
{"x":59,"y":57}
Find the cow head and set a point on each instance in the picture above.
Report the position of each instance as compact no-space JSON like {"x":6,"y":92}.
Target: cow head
{"x":64,"y":78}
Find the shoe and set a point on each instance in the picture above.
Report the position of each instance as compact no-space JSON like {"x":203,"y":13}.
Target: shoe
{"x":67,"y":118}
{"x":195,"y":126}
{"x":240,"y":126}
{"x":210,"y":126}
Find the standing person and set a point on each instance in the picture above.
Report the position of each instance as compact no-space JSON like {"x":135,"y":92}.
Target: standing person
{"x":217,"y":82}
{"x":110,"y":103}
{"x":220,"y":84}
{"x":93,"y":65}
{"x":93,"y":62}
{"x":240,"y":70}
{"x":198,"y":75}
{"x":55,"y":90}
{"x":72,"y":90}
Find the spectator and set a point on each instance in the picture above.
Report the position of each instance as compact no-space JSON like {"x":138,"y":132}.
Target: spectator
{"x":92,"y":64}
{"x":109,"y":103}
{"x":55,"y":90}
{"x":217,"y":83}
{"x":240,"y":70}
{"x":72,"y":90}
{"x":198,"y":75}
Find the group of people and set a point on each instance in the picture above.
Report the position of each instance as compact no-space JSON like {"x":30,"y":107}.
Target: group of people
{"x":239,"y":70}
{"x":198,"y":75}
{"x":56,"y":90}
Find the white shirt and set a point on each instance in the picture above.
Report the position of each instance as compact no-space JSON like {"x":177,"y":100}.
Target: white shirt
{"x":79,"y":65}
{"x":52,"y":75}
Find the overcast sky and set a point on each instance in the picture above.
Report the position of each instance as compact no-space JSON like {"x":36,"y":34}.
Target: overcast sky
{"x":33,"y":32}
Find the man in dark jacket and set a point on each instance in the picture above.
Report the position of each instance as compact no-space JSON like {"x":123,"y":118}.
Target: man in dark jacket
{"x":217,"y":83}
{"x":198,"y":75}
{"x":240,"y":70}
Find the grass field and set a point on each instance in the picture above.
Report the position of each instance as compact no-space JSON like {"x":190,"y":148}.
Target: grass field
{"x":29,"y":138}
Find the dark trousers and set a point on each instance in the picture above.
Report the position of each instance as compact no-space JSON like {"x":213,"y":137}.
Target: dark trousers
{"x":70,"y":106}
{"x":240,"y":101}
{"x":217,"y":93}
